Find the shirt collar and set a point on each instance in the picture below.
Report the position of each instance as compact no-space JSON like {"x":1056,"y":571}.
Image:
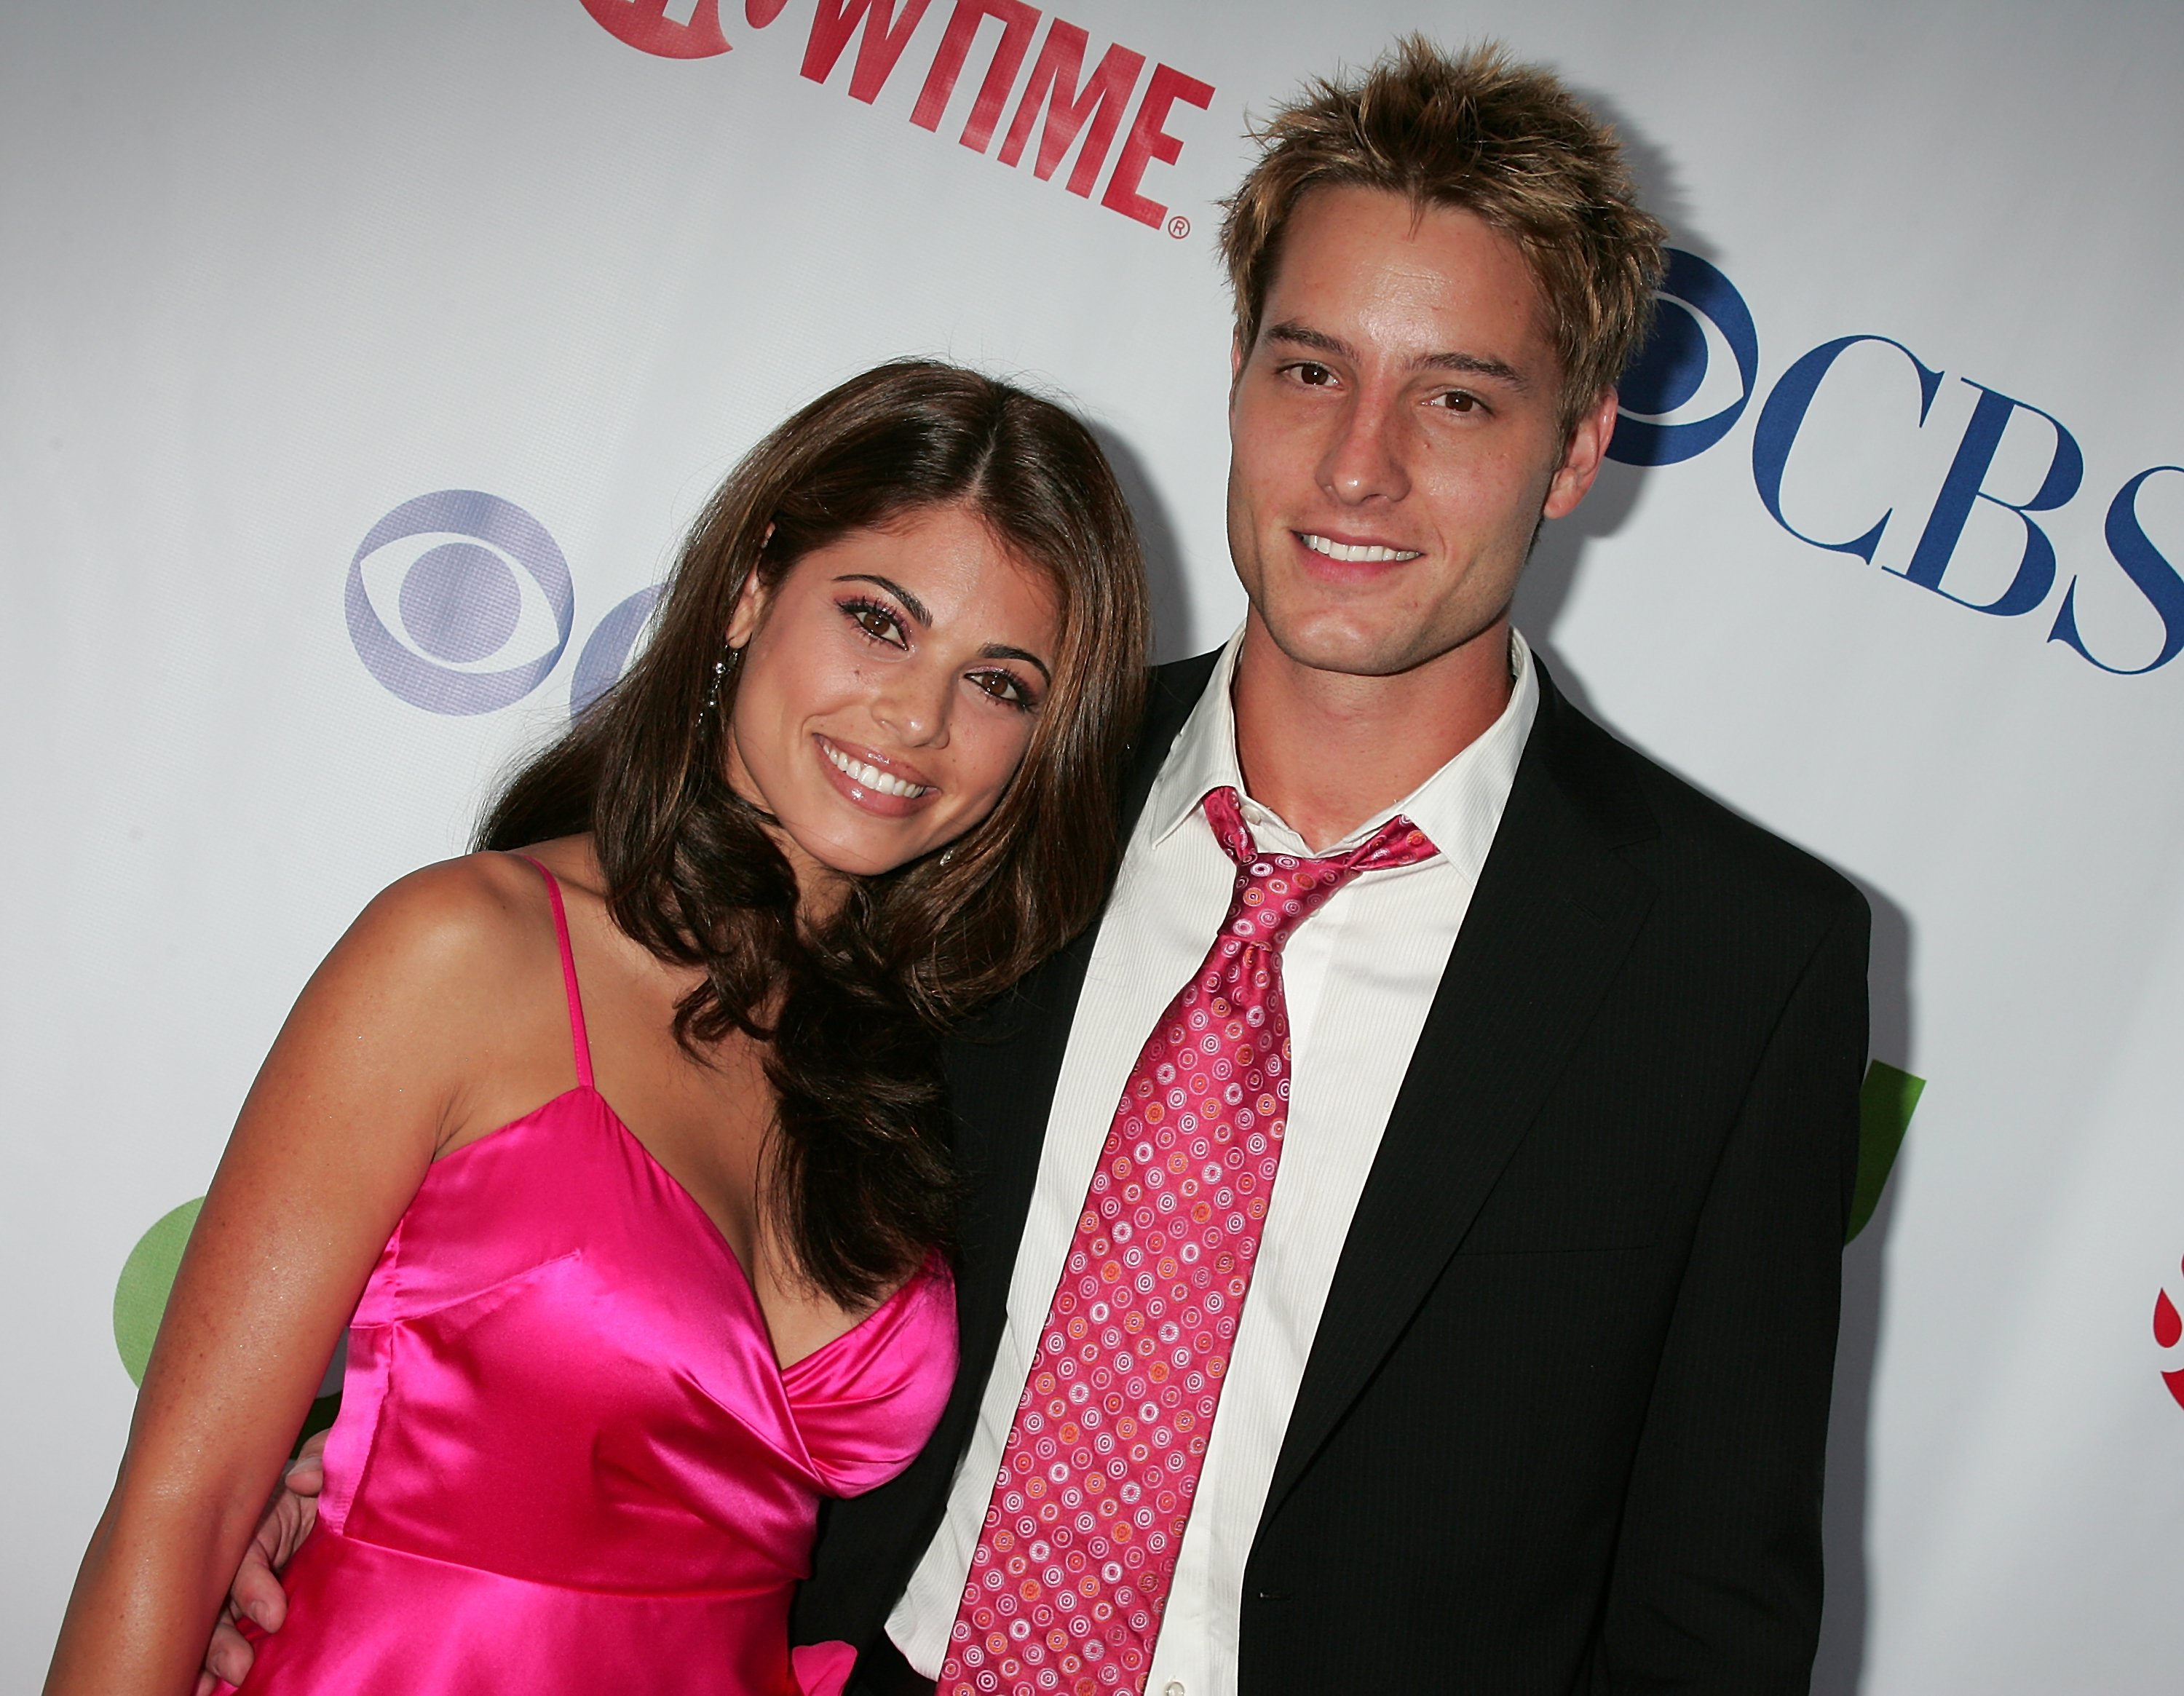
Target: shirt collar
{"x":1458,"y":807}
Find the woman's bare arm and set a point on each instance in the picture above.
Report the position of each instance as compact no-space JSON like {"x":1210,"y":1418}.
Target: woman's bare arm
{"x":377,"y":1066}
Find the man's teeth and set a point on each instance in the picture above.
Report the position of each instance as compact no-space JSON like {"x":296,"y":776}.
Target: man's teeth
{"x":1356,"y":555}
{"x":871,"y":777}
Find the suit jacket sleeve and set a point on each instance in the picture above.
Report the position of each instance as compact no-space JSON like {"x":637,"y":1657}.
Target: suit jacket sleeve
{"x":1717,"y":1580}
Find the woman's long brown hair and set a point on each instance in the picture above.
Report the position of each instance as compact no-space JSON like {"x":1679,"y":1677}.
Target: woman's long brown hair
{"x":860,"y":1177}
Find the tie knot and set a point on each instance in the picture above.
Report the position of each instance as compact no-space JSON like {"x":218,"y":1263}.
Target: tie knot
{"x":1276,"y":892}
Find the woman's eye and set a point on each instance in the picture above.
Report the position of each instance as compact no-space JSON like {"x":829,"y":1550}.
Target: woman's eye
{"x":876,"y":621}
{"x":1002,"y":687}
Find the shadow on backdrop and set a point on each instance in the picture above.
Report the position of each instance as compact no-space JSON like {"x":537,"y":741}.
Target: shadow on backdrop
{"x":1172,"y":638}
{"x":1550,"y":574}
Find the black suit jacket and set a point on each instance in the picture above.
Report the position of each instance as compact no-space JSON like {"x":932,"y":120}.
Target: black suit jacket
{"x":1563,"y":1423}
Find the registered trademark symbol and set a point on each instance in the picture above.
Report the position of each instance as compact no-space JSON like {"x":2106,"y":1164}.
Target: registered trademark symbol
{"x":1178,"y":226}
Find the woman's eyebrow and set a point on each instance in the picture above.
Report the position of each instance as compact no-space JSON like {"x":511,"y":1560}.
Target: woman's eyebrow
{"x":911,"y":603}
{"x":917,"y":609}
{"x":995,"y":650}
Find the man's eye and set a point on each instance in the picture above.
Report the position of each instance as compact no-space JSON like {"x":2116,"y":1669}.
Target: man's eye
{"x":1456,"y":400}
{"x":1318,"y":376}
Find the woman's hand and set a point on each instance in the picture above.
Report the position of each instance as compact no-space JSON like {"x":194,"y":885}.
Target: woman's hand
{"x":256,"y":1593}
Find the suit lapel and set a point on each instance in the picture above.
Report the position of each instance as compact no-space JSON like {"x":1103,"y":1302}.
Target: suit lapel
{"x":1555,"y":912}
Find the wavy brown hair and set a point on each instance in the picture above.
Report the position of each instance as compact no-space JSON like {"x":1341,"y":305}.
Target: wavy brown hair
{"x":858,"y":1177}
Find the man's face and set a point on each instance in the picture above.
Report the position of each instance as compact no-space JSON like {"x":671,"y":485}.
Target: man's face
{"x":1396,"y":435}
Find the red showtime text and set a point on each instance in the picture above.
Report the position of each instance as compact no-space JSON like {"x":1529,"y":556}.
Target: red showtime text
{"x":1069,"y":100}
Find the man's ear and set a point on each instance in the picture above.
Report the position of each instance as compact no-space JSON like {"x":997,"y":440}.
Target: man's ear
{"x":1236,"y":351}
{"x":1582,"y":455}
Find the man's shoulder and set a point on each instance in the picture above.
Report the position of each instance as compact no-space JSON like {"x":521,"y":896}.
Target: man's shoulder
{"x":1171,"y":691}
{"x":1688,"y":838}
{"x":1174,"y":688}
{"x":1187,"y":674}
{"x":1631,"y":799}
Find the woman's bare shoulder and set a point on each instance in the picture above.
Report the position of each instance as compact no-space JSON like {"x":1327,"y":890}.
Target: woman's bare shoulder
{"x":479,"y":920}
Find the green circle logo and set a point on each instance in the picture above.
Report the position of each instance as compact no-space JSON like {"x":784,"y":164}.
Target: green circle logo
{"x":140,"y":1299}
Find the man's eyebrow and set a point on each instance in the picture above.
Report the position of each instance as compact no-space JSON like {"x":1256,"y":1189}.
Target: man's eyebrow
{"x":911,"y":603}
{"x":1474,"y":364}
{"x":995,"y":650}
{"x":1471,"y":365}
{"x":1318,"y":341}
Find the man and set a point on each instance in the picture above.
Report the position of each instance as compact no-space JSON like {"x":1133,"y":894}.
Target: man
{"x":1517,"y":1380}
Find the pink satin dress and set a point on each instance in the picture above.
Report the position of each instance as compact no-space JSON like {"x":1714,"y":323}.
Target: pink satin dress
{"x":567,"y":1458}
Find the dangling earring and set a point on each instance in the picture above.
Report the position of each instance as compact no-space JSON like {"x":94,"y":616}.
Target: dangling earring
{"x":730,"y":655}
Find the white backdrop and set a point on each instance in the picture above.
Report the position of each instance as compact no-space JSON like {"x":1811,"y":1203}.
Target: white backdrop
{"x":274,"y":273}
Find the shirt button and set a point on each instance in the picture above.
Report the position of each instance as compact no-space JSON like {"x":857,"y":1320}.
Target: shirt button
{"x":1172,"y":1688}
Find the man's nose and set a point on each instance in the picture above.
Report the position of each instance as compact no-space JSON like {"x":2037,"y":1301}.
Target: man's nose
{"x":1364,"y":457}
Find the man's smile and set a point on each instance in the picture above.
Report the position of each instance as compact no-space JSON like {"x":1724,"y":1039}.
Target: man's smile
{"x":1355,"y":553}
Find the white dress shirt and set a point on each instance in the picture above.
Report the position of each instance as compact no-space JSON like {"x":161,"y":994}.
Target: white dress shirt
{"x":1360,"y":975}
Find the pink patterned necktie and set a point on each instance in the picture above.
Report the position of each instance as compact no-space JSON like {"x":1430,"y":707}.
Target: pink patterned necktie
{"x":1071,"y":1572}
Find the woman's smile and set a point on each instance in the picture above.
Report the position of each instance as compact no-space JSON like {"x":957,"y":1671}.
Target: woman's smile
{"x":886,"y":787}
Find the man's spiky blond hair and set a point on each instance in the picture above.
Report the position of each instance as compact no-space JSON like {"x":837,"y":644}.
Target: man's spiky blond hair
{"x":1505,"y":142}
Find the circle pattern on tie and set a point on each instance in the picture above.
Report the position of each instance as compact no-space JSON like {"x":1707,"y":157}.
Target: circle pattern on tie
{"x":1071,"y":1575}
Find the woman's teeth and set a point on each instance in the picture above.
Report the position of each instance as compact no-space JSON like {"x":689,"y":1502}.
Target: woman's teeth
{"x":871,"y":777}
{"x":1356,"y":554}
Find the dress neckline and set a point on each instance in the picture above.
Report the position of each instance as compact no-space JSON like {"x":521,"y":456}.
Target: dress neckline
{"x":704,"y":1220}
{"x":699,"y":1220}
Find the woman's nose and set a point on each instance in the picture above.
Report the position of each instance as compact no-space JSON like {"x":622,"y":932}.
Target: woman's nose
{"x":914,"y":706}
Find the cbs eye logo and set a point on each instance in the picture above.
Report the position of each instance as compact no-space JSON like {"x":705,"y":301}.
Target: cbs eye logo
{"x":451,"y":567}
{"x":448,"y":590}
{"x":1694,"y":377}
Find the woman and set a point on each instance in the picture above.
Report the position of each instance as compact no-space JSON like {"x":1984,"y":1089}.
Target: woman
{"x":608,"y":1359}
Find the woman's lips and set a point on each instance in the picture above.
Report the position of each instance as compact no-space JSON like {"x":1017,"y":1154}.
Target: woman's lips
{"x":889,"y":789}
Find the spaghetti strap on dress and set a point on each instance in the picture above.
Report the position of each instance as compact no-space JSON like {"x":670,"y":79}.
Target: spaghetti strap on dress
{"x":568,"y":1459}
{"x":580,"y":1042}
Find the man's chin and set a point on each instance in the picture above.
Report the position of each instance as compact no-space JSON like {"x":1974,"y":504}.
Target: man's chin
{"x":1345,"y":650}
